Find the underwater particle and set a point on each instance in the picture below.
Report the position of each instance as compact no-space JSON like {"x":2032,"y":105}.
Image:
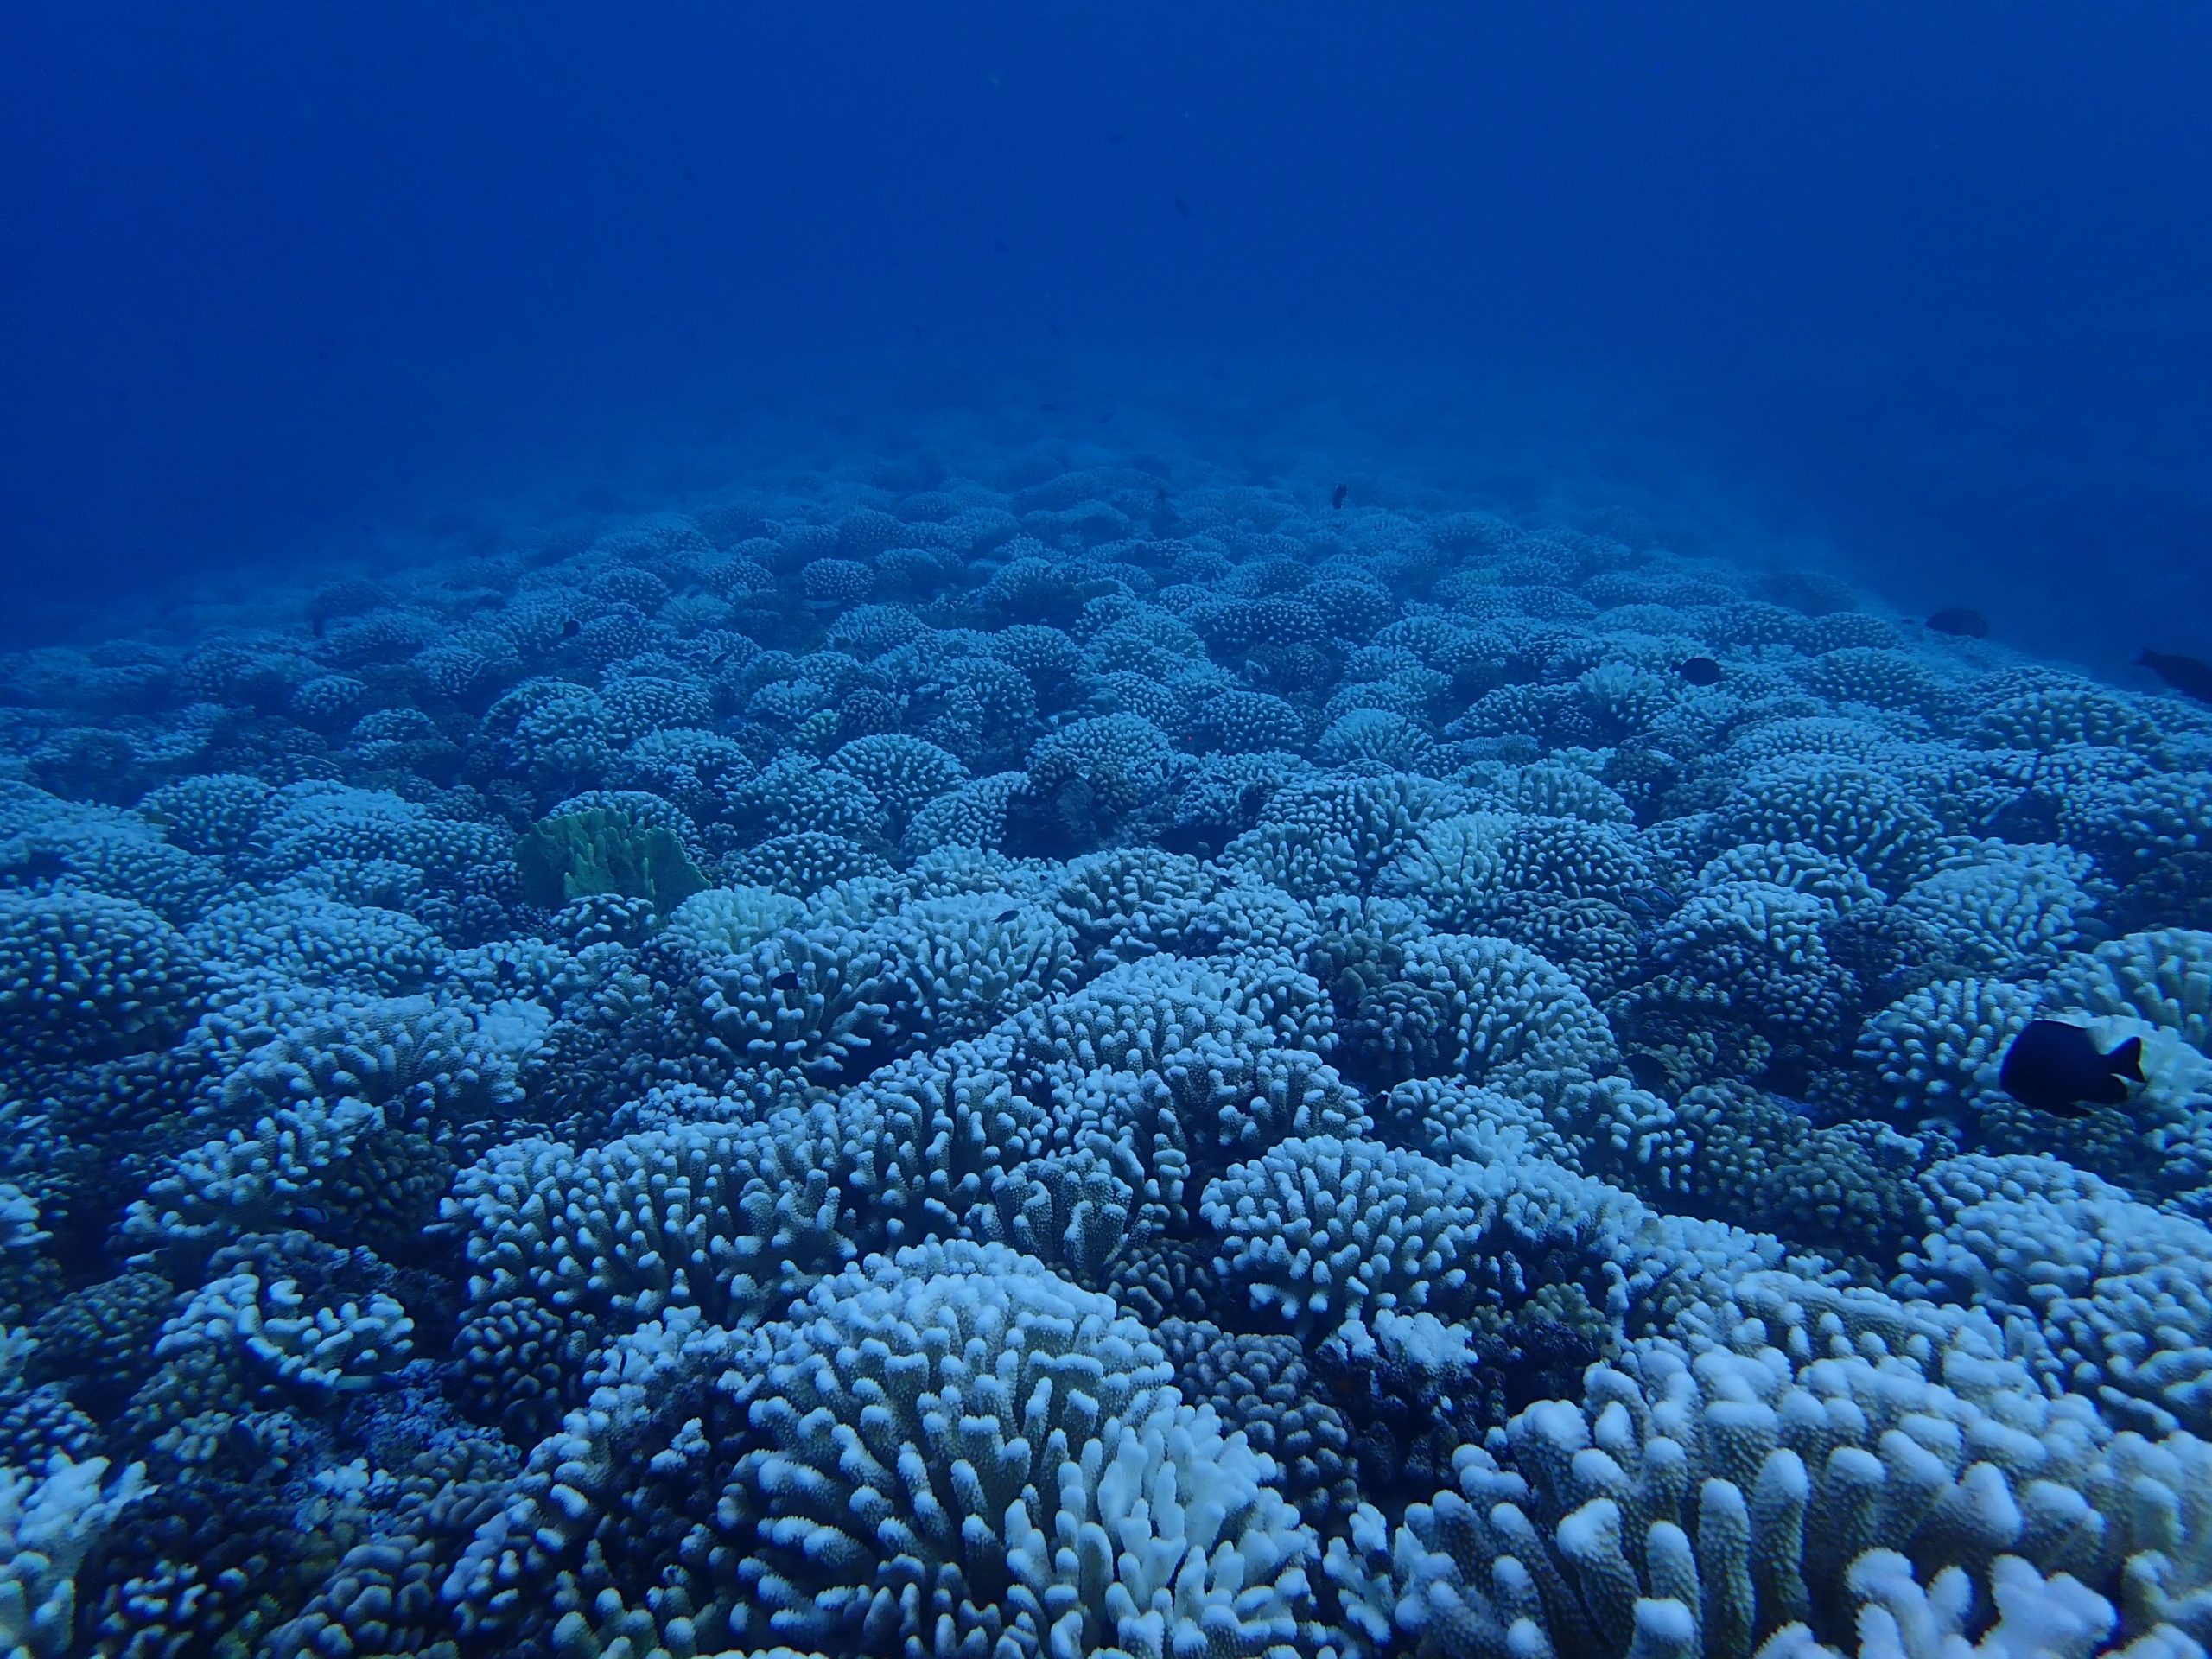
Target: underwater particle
{"x":1959,"y":620}
{"x":2057,"y":1068}
{"x":2191,"y":676}
{"x":1337,"y":496}
{"x":1699,"y":670}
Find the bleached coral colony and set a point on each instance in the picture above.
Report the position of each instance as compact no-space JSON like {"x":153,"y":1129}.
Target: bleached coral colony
{"x":1045,"y":1062}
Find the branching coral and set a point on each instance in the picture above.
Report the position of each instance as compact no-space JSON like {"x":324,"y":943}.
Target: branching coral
{"x":995,"y":1054}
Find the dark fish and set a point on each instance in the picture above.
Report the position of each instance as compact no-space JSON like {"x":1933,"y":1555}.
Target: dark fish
{"x":2191,"y":676}
{"x":1699,"y":670}
{"x":1971,"y":625}
{"x":571,"y":628}
{"x":321,"y":625}
{"x":1005,"y":915}
{"x":1647,"y":1070}
{"x":2058,"y":1068}
{"x":43,"y":864}
{"x":1337,"y":496}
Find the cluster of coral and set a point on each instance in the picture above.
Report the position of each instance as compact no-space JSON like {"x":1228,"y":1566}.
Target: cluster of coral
{"x":1104,"y":1061}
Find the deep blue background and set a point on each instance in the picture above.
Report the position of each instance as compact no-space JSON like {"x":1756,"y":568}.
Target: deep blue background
{"x":1931,"y":277}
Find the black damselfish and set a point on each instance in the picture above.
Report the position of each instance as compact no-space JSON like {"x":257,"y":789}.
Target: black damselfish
{"x":2191,"y":676}
{"x":2058,"y":1068}
{"x":1699,"y":670}
{"x":1337,"y":496}
{"x":1958,"y":620}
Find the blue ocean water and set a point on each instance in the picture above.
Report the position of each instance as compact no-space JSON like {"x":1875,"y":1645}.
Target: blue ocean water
{"x":1929,"y":283}
{"x":1046,"y":832}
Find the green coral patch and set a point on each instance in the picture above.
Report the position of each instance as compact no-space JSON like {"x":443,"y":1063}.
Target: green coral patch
{"x":600,"y":851}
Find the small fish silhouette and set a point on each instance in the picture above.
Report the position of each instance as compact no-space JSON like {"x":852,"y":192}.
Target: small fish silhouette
{"x":2191,"y":676}
{"x":40,"y":864}
{"x":1958,"y":620}
{"x":1336,"y":498}
{"x":571,"y":628}
{"x":1699,"y":670}
{"x":2057,"y":1068}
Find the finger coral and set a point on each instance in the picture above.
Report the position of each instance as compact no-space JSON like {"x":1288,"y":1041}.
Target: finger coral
{"x":1024,"y":1052}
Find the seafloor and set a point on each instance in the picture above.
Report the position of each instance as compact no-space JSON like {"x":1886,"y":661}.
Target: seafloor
{"x":1022,"y":1061}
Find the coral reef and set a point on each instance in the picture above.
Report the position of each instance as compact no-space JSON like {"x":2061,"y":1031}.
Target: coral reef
{"x":1039,"y":1056}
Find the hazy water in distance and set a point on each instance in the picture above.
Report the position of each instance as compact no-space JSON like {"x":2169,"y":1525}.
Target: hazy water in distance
{"x":1922,"y":285}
